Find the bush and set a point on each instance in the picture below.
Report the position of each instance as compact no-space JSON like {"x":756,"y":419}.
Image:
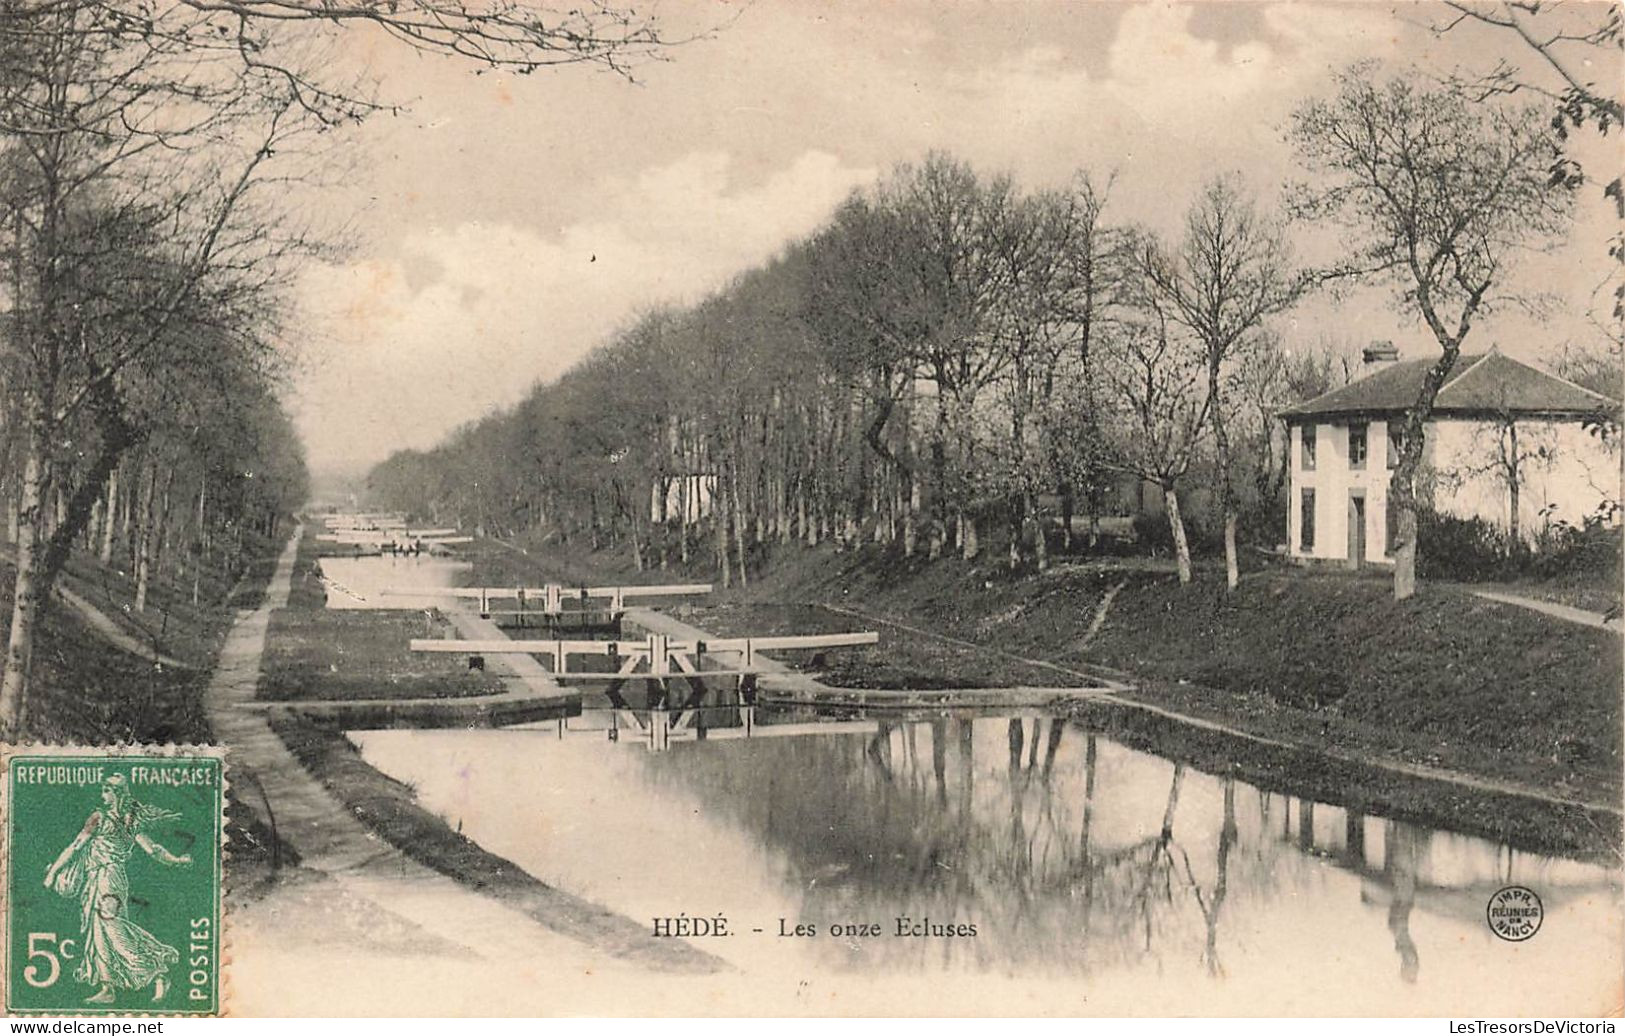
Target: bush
{"x":1153,"y":536}
{"x":1593,"y":550}
{"x":1474,"y":550}
{"x":1465,"y":549}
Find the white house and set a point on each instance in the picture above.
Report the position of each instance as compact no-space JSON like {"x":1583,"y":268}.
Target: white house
{"x":1501,"y":433}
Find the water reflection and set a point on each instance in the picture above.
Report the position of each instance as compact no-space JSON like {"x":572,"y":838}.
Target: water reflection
{"x":1068,"y":853}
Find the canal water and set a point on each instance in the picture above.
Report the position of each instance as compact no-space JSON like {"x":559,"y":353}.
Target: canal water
{"x":1071,"y":857}
{"x":359,"y":582}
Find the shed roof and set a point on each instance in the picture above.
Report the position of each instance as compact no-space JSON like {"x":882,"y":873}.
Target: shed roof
{"x":1478,"y":385}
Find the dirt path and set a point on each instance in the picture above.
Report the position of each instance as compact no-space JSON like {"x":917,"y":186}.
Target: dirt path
{"x":359,"y":928}
{"x":113,"y":633}
{"x":107,"y":626}
{"x":1557,"y":611}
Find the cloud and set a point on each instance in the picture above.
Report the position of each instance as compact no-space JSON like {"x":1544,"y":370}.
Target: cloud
{"x":464,"y":318}
{"x":515,"y":222}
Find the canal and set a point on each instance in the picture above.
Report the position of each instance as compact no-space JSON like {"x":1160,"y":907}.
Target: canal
{"x":1017,"y":845}
{"x":360,"y":582}
{"x":1068,"y":854}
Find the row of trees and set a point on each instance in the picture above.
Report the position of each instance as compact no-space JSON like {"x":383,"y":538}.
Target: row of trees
{"x":145,"y":148}
{"x":951,"y":347}
{"x":945,"y":351}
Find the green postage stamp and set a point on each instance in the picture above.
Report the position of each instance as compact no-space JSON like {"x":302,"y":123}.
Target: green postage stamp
{"x":113,"y":872}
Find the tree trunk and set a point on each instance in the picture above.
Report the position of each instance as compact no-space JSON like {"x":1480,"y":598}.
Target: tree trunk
{"x":1405,"y":550}
{"x":111,"y":516}
{"x":738,"y":526}
{"x":127,"y":523}
{"x":1514,"y":502}
{"x":911,"y":513}
{"x":202,"y":517}
{"x":781,"y":507}
{"x":1068,"y":505}
{"x":638,"y":559}
{"x":1040,"y":541}
{"x":1232,"y":566}
{"x":719,"y":522}
{"x":144,"y":542}
{"x":1017,"y":502}
{"x":1182,"y":549}
{"x":1227,"y":496}
{"x":28,"y":598}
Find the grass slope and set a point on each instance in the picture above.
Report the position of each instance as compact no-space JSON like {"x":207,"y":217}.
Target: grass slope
{"x":86,"y":691}
{"x":358,"y":655}
{"x":1323,"y":659}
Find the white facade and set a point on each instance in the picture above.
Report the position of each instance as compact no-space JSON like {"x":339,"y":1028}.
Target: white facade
{"x":1565,"y":474}
{"x":1335,"y":484}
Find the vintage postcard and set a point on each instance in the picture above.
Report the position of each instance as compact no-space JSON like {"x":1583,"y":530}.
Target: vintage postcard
{"x":934,"y":508}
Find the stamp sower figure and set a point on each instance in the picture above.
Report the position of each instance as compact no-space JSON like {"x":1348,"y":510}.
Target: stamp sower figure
{"x":118,"y":953}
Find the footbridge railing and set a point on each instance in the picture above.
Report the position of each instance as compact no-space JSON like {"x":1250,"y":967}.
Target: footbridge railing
{"x":551,"y":597}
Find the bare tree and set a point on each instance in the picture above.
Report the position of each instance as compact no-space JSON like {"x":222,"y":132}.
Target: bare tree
{"x":1156,"y":375}
{"x":1099,"y":265}
{"x":1574,"y":53}
{"x":1437,"y":194}
{"x":955,"y":285}
{"x":1230,"y":271}
{"x":1507,"y":450}
{"x":1036,"y":250}
{"x":169,"y":120}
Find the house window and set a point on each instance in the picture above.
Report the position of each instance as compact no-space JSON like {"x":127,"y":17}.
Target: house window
{"x":1306,"y":520}
{"x":1357,"y":445}
{"x":1308,"y":436}
{"x":1391,"y":514}
{"x":1396,"y":441}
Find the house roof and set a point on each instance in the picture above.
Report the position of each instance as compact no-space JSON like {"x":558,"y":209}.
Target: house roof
{"x":1478,"y":384}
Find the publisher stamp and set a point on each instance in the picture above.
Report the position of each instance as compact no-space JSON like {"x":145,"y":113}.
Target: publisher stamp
{"x":1515,"y":913}
{"x":113,"y":873}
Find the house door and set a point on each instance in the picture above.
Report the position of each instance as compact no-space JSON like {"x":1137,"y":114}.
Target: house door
{"x":1356,"y":528}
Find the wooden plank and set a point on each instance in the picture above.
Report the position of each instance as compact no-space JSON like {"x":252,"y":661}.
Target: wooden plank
{"x":789,"y":642}
{"x":385,"y":536}
{"x":538,"y":612}
{"x":699,"y":674}
{"x":792,"y":730}
{"x":668,"y":590}
{"x":742,"y":645}
{"x":431,"y":591}
{"x":533,"y":647}
{"x":508,"y":593}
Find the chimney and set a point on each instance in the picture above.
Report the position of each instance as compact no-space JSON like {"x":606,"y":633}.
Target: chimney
{"x":1377,"y":356}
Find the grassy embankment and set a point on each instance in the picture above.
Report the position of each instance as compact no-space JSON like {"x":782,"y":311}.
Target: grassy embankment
{"x":1319,"y":671}
{"x":86,"y":690}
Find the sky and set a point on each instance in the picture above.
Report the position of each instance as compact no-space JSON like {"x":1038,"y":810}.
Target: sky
{"x":502,"y":226}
